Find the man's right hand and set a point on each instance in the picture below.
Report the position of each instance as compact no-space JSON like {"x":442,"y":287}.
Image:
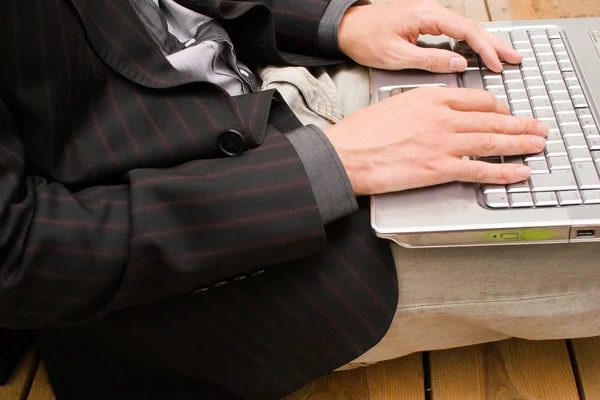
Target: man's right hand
{"x":419,"y":138}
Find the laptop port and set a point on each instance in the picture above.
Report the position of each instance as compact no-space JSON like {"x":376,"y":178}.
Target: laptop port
{"x":583,"y":233}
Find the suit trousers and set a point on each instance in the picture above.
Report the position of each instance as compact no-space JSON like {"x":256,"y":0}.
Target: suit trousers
{"x":455,"y":297}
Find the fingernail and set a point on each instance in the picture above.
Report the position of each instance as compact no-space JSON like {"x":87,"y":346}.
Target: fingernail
{"x":543,"y":129}
{"x":524,"y":172}
{"x":538,"y":141}
{"x":458,"y":64}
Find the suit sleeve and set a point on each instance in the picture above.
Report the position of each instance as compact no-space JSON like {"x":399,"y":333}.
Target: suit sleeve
{"x":270,"y":30}
{"x":68,"y":256}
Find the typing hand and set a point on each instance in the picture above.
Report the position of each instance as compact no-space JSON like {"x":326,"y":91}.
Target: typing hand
{"x":419,"y":139}
{"x":383,"y":35}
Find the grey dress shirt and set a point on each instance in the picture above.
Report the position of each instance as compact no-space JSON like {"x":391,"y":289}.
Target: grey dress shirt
{"x":197,"y":46}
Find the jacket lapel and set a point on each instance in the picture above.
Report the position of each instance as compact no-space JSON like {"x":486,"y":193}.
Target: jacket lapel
{"x":121,"y":40}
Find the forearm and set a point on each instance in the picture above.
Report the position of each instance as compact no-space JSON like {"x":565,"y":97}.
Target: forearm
{"x":68,"y":257}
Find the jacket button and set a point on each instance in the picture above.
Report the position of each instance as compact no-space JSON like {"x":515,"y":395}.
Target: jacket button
{"x":231,"y":143}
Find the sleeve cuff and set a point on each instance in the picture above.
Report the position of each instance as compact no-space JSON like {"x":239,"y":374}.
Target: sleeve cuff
{"x":330,"y":184}
{"x":327,"y":35}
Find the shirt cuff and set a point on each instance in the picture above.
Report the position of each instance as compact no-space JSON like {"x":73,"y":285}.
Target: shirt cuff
{"x":330,"y":183}
{"x":327,"y":35}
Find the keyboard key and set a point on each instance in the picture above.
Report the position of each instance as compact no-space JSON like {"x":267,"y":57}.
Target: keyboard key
{"x":538,"y":166}
{"x":579,"y":101}
{"x":571,"y":130}
{"x":496,"y":200}
{"x":570,"y":77}
{"x":497,"y":90}
{"x":538,"y":33}
{"x":570,"y":197}
{"x":552,"y":76}
{"x":541,"y":102}
{"x":555,"y":150}
{"x":503,"y":35}
{"x":550,"y":68}
{"x":565,"y":66}
{"x":519,"y":36}
{"x":591,"y":131}
{"x":546,"y":58}
{"x":523,"y":45}
{"x":472,"y":79}
{"x":520,"y":187}
{"x":563,"y":107}
{"x":590,"y":196}
{"x":535,"y":157}
{"x":554,"y":34}
{"x":543,"y":112}
{"x":596,"y":156}
{"x":560,"y":96}
{"x":587,"y":175}
{"x":587,"y":122}
{"x":519,"y":104}
{"x":593,"y":143}
{"x":576,"y":142}
{"x":520,"y":199}
{"x":567,"y":119}
{"x":537,"y":93}
{"x":555,"y":136}
{"x":583,"y":113}
{"x":540,"y":42}
{"x":490,"y":188}
{"x":518,"y":95}
{"x":555,"y":86}
{"x":523,"y":113}
{"x":535,"y":75}
{"x":562,"y":179}
{"x":559,"y":163}
{"x":551,"y":122}
{"x":515,"y":86}
{"x":529,"y":63}
{"x":558,"y":45}
{"x":579,"y":155}
{"x":545,"y":199}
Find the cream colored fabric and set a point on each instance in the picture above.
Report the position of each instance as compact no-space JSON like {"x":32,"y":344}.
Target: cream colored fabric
{"x":463,"y":296}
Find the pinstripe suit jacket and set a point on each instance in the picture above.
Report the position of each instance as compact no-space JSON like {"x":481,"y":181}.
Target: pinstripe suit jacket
{"x":143,"y":261}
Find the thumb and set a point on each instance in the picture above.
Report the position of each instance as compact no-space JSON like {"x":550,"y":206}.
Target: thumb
{"x":435,"y":60}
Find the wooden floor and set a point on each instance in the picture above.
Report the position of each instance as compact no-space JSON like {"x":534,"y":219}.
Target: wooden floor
{"x":508,"y":370}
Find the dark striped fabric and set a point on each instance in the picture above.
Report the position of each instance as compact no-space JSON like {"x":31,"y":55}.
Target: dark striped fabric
{"x":145,"y":263}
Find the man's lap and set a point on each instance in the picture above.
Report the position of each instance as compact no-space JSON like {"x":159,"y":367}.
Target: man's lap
{"x":458,"y":297}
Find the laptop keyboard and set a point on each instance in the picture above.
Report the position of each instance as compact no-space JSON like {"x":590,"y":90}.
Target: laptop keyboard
{"x":545,"y":86}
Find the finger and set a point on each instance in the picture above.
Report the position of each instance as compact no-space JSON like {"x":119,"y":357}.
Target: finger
{"x":464,"y":99}
{"x":483,"y":172}
{"x":434,"y":60}
{"x":497,"y":123}
{"x":489,"y":144}
{"x":462,"y":28}
{"x":504,"y":49}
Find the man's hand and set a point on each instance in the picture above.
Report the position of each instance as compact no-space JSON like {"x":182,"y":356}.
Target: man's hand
{"x":383,"y":35}
{"x":420,"y":138}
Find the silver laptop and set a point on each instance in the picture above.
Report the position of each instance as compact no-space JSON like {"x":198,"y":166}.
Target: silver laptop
{"x":558,"y":83}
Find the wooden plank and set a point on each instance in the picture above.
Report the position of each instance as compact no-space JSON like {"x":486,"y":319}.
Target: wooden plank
{"x":400,"y":379}
{"x":302,"y":394}
{"x":536,"y":9}
{"x":41,"y":389}
{"x":474,"y":9}
{"x":499,"y":10}
{"x":586,"y":362}
{"x":21,"y":379}
{"x":512,"y":369}
{"x":457,"y":373}
{"x":342,"y":385}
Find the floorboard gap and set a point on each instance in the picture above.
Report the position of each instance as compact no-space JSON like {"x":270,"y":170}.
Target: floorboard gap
{"x":575,"y":368}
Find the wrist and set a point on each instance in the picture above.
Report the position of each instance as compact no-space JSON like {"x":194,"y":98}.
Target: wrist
{"x":345,"y":38}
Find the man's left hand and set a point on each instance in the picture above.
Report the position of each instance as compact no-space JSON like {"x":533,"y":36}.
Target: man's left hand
{"x":384,"y":35}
